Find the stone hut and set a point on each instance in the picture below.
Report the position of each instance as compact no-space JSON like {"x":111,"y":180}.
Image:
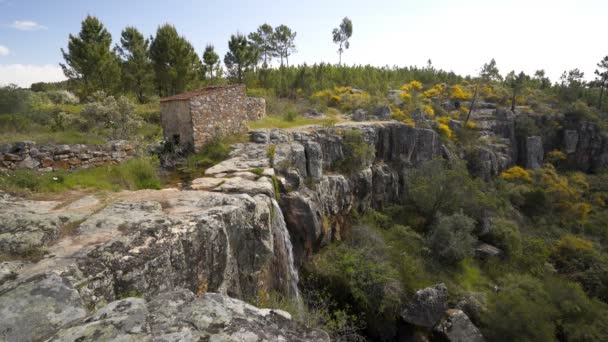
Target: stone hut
{"x":193,"y":119}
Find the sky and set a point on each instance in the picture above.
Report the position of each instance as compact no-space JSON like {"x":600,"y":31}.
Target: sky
{"x":522,"y":35}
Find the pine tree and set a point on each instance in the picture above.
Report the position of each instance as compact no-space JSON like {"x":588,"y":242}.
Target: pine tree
{"x":341,"y":36}
{"x":489,"y":71}
{"x":284,"y":43}
{"x":210,"y":58}
{"x":89,"y":61}
{"x":137,"y":72}
{"x":601,"y":79}
{"x":240,"y":57}
{"x":263,"y":39}
{"x":176,"y":65}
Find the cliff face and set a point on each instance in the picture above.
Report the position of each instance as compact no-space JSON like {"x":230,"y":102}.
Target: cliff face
{"x":317,"y":201}
{"x":227,"y":235}
{"x":240,"y":231}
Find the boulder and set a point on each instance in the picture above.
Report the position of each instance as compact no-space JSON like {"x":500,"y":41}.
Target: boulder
{"x":383,"y":113}
{"x":485,"y":251}
{"x":181,"y":316}
{"x":473,"y":304}
{"x":457,"y":327}
{"x":360,"y":115}
{"x":427,"y":307}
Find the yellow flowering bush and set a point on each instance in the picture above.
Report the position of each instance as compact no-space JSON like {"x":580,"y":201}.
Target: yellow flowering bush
{"x":429,"y":110}
{"x":516,"y":173}
{"x":444,"y":120}
{"x":405,"y":95}
{"x":413,"y":85}
{"x":433,"y":92}
{"x":464,"y":110}
{"x":334,"y":101}
{"x":555,"y":156}
{"x":459,"y":93}
{"x":342,"y":98}
{"x":471,"y":125}
{"x":400,"y":115}
{"x":566,"y":193}
{"x":445,"y":130}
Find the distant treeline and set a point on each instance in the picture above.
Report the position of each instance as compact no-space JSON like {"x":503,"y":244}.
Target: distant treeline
{"x":167,"y":63}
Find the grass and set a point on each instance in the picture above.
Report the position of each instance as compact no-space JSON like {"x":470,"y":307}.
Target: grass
{"x":135,"y":174}
{"x":211,"y":154}
{"x":275,"y":121}
{"x":49,"y":137}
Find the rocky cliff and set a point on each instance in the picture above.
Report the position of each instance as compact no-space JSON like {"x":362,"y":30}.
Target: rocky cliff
{"x":99,"y":265}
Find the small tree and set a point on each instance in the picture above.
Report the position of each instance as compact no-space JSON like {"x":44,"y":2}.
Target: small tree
{"x":177,"y":66}
{"x":489,"y":71}
{"x":137,"y":72}
{"x":571,"y":84}
{"x":543,"y":81}
{"x":90,"y":60}
{"x":517,"y":83}
{"x":601,"y":79}
{"x":341,"y":36}
{"x":210,"y":58}
{"x":240,"y":56}
{"x":451,"y":238}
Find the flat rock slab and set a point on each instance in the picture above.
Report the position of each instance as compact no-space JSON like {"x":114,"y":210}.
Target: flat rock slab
{"x":181,"y":316}
{"x":38,"y":308}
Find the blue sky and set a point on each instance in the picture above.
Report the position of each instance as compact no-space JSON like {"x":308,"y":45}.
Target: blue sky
{"x":457,"y":35}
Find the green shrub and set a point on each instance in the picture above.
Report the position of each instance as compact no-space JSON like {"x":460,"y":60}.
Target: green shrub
{"x":506,"y":236}
{"x":358,"y":154}
{"x":528,"y":309}
{"x":290,"y":116}
{"x":214,"y":152}
{"x":521,"y":311}
{"x":434,"y":187}
{"x":115,"y":117}
{"x":451,"y":239}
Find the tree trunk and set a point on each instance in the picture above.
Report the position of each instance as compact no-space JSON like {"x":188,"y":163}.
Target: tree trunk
{"x":513,"y":102}
{"x":472,"y":105}
{"x":601,"y":95}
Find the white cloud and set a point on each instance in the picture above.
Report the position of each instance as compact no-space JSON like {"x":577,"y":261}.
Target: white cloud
{"x":24,"y":75}
{"x":4,"y":51}
{"x":27,"y":25}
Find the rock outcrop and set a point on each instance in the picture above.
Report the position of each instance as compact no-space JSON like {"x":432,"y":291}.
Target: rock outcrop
{"x":181,"y":316}
{"x":427,"y":307}
{"x":457,"y":327}
{"x":315,"y":201}
{"x":585,"y":146}
{"x":239,"y":231}
{"x":534,"y":152}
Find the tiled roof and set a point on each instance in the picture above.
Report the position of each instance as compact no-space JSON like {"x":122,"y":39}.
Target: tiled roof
{"x":193,"y":93}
